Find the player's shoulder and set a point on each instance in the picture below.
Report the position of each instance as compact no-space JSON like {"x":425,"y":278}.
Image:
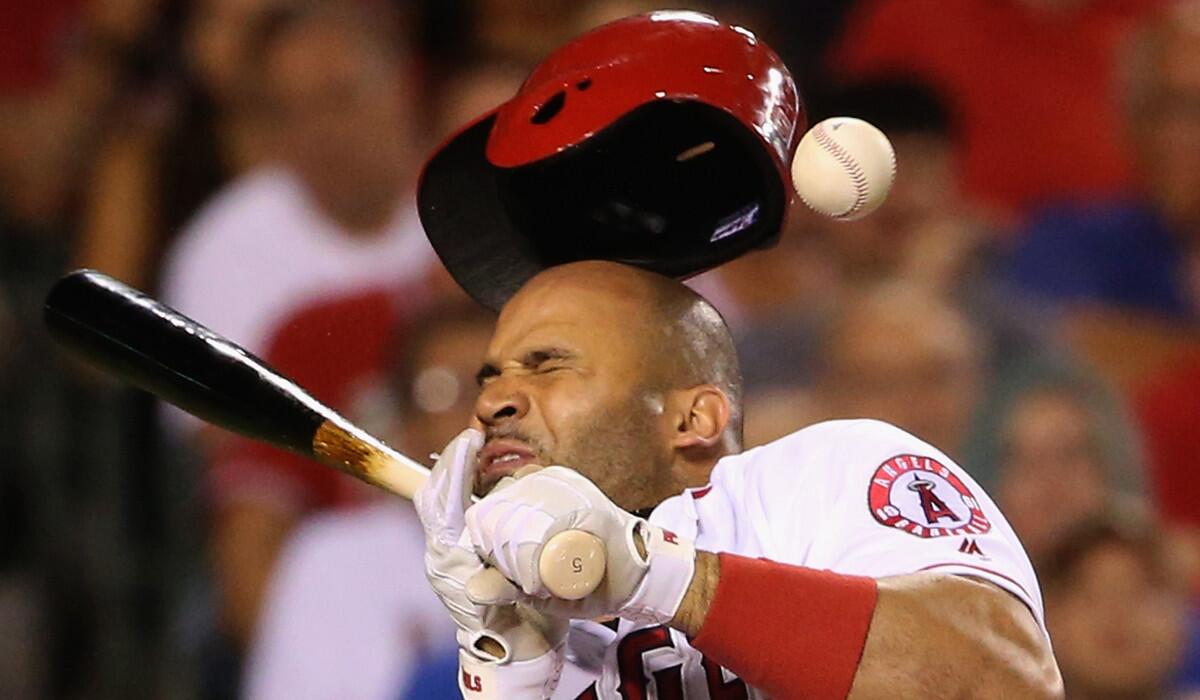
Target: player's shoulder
{"x":849,"y":429}
{"x":829,"y":454}
{"x":831,"y":440}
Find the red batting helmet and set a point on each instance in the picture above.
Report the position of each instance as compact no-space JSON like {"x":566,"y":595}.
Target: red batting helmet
{"x":661,"y":140}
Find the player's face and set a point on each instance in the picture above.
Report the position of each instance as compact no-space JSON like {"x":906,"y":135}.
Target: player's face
{"x":565,"y":382}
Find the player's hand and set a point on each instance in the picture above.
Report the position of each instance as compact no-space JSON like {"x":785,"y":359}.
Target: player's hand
{"x":506,"y":651}
{"x":648,"y":569}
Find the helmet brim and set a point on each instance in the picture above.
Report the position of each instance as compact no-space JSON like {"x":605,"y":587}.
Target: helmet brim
{"x":459,"y":203}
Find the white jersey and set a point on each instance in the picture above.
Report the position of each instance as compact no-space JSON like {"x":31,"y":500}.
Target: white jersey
{"x":855,"y":497}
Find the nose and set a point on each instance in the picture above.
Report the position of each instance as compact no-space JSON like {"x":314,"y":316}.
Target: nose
{"x":501,"y":400}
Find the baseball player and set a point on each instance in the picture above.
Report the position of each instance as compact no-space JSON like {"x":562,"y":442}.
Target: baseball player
{"x":849,"y":559}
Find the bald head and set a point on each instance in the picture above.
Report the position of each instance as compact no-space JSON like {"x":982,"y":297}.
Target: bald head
{"x":680,"y":338}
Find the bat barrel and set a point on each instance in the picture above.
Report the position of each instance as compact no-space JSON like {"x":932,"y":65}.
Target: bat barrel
{"x":125,"y":332}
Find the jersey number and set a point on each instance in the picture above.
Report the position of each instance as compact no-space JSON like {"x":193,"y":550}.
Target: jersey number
{"x":634,"y":682}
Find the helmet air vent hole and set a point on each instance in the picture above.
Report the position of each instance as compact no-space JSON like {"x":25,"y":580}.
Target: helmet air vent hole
{"x":697,"y":150}
{"x":550,"y":108}
{"x":583,"y":84}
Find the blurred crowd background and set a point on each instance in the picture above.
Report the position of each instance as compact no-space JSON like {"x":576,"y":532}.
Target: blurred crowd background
{"x":1028,"y":299}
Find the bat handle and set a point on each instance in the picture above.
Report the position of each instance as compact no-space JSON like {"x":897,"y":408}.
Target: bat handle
{"x":572,"y":564}
{"x":571,"y":567}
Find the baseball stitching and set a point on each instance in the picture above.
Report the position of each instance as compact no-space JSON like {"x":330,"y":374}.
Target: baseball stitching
{"x":853,"y":169}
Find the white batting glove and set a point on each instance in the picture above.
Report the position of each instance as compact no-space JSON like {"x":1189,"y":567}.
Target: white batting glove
{"x":505,"y":651}
{"x":509,"y":528}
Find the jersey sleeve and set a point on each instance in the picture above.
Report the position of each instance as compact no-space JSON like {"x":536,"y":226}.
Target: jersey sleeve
{"x":866,"y":498}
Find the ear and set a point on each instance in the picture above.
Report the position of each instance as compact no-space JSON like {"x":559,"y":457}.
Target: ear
{"x":701,"y":416}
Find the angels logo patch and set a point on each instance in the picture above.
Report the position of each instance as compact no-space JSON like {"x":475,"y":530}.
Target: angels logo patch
{"x":920,"y":496}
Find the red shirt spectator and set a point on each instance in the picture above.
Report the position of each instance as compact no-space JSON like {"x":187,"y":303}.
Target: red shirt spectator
{"x":263,"y":266}
{"x":1032,"y":88}
{"x":32,"y":33}
{"x":339,"y":349}
{"x":1168,"y":407}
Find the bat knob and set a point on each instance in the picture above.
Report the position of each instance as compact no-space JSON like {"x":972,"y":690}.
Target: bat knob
{"x":489,"y":586}
{"x":572,"y":564}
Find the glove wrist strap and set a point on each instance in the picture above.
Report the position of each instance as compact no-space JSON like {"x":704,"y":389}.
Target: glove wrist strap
{"x":534,"y":679}
{"x":671,"y":563}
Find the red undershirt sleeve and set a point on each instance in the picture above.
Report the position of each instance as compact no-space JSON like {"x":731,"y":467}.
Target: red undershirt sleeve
{"x":790,"y":631}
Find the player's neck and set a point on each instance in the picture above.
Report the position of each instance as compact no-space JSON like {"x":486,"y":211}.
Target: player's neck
{"x":693,"y":471}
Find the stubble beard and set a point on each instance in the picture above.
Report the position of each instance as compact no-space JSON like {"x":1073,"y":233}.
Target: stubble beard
{"x":618,"y":450}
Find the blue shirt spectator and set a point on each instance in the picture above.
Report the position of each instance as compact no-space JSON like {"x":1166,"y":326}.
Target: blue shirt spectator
{"x":436,"y":679}
{"x":1188,"y":679}
{"x":1113,"y":253}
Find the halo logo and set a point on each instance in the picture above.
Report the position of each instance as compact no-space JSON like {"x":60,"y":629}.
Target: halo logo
{"x":923,"y":497}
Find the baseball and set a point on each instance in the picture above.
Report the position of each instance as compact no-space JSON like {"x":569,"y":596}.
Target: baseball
{"x":843,"y":168}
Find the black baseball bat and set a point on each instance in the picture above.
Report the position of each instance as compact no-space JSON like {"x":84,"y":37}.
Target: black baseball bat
{"x":152,"y":346}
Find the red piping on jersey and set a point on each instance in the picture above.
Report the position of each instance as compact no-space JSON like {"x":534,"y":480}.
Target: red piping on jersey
{"x":791,"y":631}
{"x":984,"y":569}
{"x":701,"y":492}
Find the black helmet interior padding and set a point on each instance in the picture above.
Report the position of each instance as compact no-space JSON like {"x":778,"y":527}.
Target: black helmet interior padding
{"x":674,"y":186}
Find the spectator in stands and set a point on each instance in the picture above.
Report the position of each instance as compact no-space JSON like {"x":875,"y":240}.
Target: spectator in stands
{"x":58,"y":72}
{"x":186,"y":123}
{"x":524,"y":30}
{"x":1029,"y":81}
{"x":312,"y":263}
{"x":926,"y":234}
{"x":1116,"y":610}
{"x":353,"y":581}
{"x":1134,"y":253}
{"x":75,"y":612}
{"x":1168,"y":410}
{"x":471,"y":90}
{"x":6,"y":332}
{"x":22,"y":631}
{"x":779,"y":302}
{"x":927,"y":238}
{"x":902,"y":355}
{"x":1139,"y":256}
{"x":928,"y":231}
{"x":1055,"y":449}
